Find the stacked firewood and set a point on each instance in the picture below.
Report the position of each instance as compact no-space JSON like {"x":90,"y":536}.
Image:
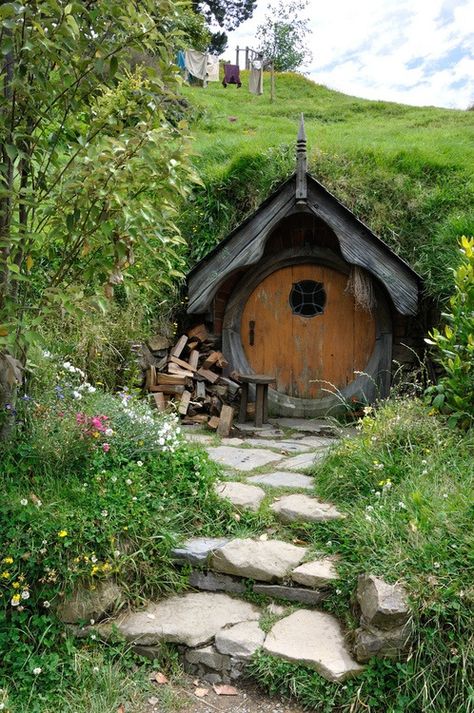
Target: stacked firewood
{"x":191,"y":373}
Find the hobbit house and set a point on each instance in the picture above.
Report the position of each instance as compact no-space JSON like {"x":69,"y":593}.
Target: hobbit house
{"x":305,"y":292}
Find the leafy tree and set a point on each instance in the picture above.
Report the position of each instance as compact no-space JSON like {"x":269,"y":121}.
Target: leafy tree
{"x":228,"y":14}
{"x":92,"y":161}
{"x":282,"y":36}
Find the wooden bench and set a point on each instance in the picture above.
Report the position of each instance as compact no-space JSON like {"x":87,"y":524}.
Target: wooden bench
{"x":261,"y":382}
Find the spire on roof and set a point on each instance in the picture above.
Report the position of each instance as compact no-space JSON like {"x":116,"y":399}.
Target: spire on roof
{"x":301,"y":163}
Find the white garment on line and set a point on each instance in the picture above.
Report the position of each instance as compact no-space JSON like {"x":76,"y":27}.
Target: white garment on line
{"x":212,"y":68}
{"x":256,"y":77}
{"x":196,"y":63}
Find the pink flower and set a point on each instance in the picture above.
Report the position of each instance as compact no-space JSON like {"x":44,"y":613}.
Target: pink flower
{"x":96,"y":422}
{"x":80,"y":418}
{"x":106,"y":447}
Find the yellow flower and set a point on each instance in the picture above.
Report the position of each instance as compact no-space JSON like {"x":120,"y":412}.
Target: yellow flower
{"x":94,"y":570}
{"x":16,"y":585}
{"x":6,"y":575}
{"x":95,"y":434}
{"x":15,"y":599}
{"x":7,"y":560}
{"x":62,"y":533}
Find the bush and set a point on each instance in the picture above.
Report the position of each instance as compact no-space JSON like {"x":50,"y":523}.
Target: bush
{"x":454,"y":395}
{"x":407,"y":485}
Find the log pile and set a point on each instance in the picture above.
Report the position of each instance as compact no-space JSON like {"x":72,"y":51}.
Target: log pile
{"x":191,"y":373}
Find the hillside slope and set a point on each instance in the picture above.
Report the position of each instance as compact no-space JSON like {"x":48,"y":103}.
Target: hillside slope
{"x":408,"y":172}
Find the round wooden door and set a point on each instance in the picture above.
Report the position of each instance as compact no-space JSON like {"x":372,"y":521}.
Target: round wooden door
{"x":301,"y":326}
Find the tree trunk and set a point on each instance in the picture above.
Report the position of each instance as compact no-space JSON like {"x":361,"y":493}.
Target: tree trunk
{"x":8,"y":397}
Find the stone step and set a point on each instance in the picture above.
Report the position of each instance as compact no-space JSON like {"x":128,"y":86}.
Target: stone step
{"x":197,"y":550}
{"x":317,"y":573}
{"x":304,"y":460}
{"x":283,"y":479}
{"x":244,"y":459}
{"x":243,"y":496}
{"x":263,"y":560}
{"x":314,"y":639}
{"x":193,"y":619}
{"x":282,"y":445}
{"x":303,"y":508}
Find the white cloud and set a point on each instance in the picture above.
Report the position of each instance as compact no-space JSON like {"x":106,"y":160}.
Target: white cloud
{"x":411,"y":51}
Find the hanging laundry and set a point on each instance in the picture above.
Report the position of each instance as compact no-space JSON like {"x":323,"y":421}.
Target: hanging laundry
{"x":212,"y":68}
{"x":196,"y":63}
{"x":231,"y":75}
{"x":256,"y":77}
{"x":180,"y":60}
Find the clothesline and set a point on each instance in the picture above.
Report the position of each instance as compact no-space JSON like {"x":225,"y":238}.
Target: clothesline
{"x":205,"y":67}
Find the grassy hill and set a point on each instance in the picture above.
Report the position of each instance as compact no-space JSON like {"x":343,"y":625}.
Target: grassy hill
{"x":408,"y":172}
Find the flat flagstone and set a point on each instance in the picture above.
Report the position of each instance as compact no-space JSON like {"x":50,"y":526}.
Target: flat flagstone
{"x":317,"y":573}
{"x":241,"y":640}
{"x":193,"y":619}
{"x":267,"y":430}
{"x":241,"y":495}
{"x":319,"y":441}
{"x":281,"y":479}
{"x":232,"y":441}
{"x":304,"y":460}
{"x":196,"y":550}
{"x":303,"y":508}
{"x":304,"y":425}
{"x":244,"y":459}
{"x":265,"y":560}
{"x":314,"y":639}
{"x":290,"y":446}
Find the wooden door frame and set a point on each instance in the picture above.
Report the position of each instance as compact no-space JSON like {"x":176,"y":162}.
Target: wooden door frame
{"x":373,"y":384}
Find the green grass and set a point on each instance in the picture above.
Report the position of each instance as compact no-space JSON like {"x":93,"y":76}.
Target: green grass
{"x":405,"y":171}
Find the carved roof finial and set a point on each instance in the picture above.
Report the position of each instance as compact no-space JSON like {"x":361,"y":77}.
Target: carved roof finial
{"x":301,"y":164}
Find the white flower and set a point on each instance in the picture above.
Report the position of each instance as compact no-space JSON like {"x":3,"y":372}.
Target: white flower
{"x":46,"y":354}
{"x":134,"y":498}
{"x":37,"y":671}
{"x":109,"y":432}
{"x":96,"y":669}
{"x":104,"y":513}
{"x":424,"y":472}
{"x":67,"y":365}
{"x":445,"y":495}
{"x":402,"y":506}
{"x":43,"y":551}
{"x":128,"y":481}
{"x":92,"y":622}
{"x":436,"y":565}
{"x":91,"y":389}
{"x":25,"y":594}
{"x":93,"y":637}
{"x":116,"y":553}
{"x":369,"y":507}
{"x":2,"y":706}
{"x":93,"y":559}
{"x":338,"y":591}
{"x":76,"y":395}
{"x":23,"y":501}
{"x":15,"y":602}
{"x":424,"y":462}
{"x":114,"y":479}
{"x":139,"y":463}
{"x":329,"y":543}
{"x":44,"y":542}
{"x":46,"y":604}
{"x":367,"y":517}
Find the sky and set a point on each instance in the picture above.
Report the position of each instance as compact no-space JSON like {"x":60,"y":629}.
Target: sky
{"x":417,"y":52}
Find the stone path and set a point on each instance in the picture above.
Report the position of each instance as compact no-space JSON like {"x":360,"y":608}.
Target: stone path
{"x":217,"y":629}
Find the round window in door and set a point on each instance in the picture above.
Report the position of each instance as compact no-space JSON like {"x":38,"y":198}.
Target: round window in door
{"x":307,"y":298}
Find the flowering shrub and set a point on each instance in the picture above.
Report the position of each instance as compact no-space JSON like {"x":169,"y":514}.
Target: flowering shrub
{"x":96,"y":485}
